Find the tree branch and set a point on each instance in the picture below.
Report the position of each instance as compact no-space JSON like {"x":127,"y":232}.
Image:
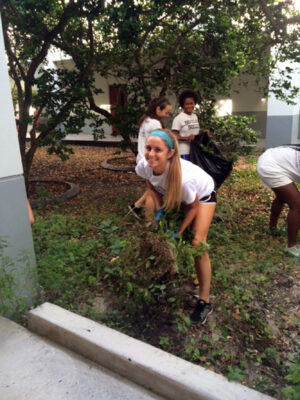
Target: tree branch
{"x":11,"y":55}
{"x":275,"y":25}
{"x":50,"y":36}
{"x":93,"y":105}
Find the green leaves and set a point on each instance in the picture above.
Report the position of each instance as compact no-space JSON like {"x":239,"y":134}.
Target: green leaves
{"x":235,"y":374}
{"x":292,"y":392}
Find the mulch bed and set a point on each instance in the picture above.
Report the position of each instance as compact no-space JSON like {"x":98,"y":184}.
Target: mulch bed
{"x":84,"y":168}
{"x":44,"y":189}
{"x":126,"y":162}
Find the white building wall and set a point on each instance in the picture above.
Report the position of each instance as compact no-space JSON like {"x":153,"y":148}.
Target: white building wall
{"x":247,"y":100}
{"x":283,"y":119}
{"x":10,"y":159}
{"x":14,"y":220}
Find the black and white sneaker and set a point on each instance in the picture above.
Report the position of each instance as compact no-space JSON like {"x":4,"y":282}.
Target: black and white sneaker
{"x":201,"y":311}
{"x":136,"y":211}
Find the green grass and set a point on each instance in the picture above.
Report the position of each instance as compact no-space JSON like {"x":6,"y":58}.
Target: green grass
{"x":250,"y":337}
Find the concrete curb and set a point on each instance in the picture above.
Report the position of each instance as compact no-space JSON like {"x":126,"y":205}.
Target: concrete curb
{"x":73,"y":191}
{"x":106,"y":165}
{"x":157,"y":370}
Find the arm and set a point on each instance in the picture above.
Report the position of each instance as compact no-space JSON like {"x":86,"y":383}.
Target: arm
{"x":30,"y":213}
{"x":155,"y":195}
{"x":183,"y":138}
{"x":190,"y":213}
{"x":151,"y":200}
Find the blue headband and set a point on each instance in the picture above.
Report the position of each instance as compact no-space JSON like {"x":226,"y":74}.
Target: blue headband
{"x":164,"y":136}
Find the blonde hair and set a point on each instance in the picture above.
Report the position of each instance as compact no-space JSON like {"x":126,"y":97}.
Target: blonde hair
{"x":173,"y":182}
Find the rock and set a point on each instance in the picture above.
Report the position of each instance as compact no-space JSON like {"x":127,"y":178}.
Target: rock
{"x":101,"y":304}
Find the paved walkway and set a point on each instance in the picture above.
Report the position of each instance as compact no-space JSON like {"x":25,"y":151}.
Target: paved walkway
{"x":33,"y":368}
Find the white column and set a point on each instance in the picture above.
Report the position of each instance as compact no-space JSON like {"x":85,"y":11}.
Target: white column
{"x":282,"y":118}
{"x":17,"y":258}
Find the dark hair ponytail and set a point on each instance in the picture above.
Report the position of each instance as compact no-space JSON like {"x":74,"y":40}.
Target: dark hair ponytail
{"x":161,"y":102}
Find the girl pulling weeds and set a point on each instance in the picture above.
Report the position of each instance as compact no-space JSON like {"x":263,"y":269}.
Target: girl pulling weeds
{"x":180,"y":182}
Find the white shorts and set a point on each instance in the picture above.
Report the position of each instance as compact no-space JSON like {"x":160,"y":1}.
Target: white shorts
{"x":274,"y":171}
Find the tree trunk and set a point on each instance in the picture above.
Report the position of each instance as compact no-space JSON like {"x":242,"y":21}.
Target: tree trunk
{"x":28,"y":163}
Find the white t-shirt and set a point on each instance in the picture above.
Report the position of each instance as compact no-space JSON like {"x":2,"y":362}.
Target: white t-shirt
{"x":186,"y":125}
{"x":279,"y":166}
{"x":148,"y":125}
{"x":195,"y":181}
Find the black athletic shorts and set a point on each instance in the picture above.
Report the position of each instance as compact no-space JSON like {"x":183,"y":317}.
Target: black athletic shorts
{"x":210,"y":199}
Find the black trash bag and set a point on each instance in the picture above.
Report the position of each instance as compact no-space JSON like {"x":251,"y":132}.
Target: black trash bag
{"x":205,"y":154}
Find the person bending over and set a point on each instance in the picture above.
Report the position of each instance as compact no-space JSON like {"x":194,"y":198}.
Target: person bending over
{"x":181,"y":182}
{"x":279,"y":168}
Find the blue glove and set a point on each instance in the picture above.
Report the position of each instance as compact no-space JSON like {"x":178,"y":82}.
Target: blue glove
{"x":175,"y":235}
{"x":159,"y":214}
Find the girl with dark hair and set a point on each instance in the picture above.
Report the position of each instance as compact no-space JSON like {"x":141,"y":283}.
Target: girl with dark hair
{"x":180,"y":182}
{"x":158,"y":109}
{"x":186,"y":125}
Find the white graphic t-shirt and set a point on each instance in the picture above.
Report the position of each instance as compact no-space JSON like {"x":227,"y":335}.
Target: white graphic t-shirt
{"x":195,"y":181}
{"x":186,"y":125}
{"x":148,"y":125}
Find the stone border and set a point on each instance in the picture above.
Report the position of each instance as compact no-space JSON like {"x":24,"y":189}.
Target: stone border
{"x":146,"y":365}
{"x":106,"y":165}
{"x":73,"y":191}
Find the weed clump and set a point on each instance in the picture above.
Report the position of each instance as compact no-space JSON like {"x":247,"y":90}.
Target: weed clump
{"x":158,"y":251}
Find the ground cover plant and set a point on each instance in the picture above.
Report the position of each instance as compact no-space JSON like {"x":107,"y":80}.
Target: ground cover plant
{"x":95,"y":259}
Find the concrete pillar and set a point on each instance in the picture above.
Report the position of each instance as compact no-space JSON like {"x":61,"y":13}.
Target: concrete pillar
{"x":247,"y":101}
{"x":17,"y":259}
{"x":282,"y":118}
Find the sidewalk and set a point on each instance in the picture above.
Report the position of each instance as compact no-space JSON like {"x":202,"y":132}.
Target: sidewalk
{"x":86,"y":360}
{"x":34,"y":368}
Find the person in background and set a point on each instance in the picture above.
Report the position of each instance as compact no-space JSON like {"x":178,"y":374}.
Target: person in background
{"x":158,"y":109}
{"x":279,"y":168}
{"x":186,"y":125}
{"x":180,"y":182}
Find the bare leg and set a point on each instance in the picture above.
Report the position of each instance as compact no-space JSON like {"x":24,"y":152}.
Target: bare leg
{"x":152,"y":202}
{"x":156,"y":198}
{"x":140,"y":202}
{"x":149,"y":205}
{"x":276,"y":209}
{"x":289,"y":194}
{"x":201,"y":225}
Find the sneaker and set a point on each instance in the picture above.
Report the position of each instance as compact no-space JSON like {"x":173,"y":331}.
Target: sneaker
{"x":201,"y":312}
{"x":136,"y":211}
{"x":293,"y":251}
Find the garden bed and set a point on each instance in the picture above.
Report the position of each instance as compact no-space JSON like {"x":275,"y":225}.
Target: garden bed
{"x":46,"y":192}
